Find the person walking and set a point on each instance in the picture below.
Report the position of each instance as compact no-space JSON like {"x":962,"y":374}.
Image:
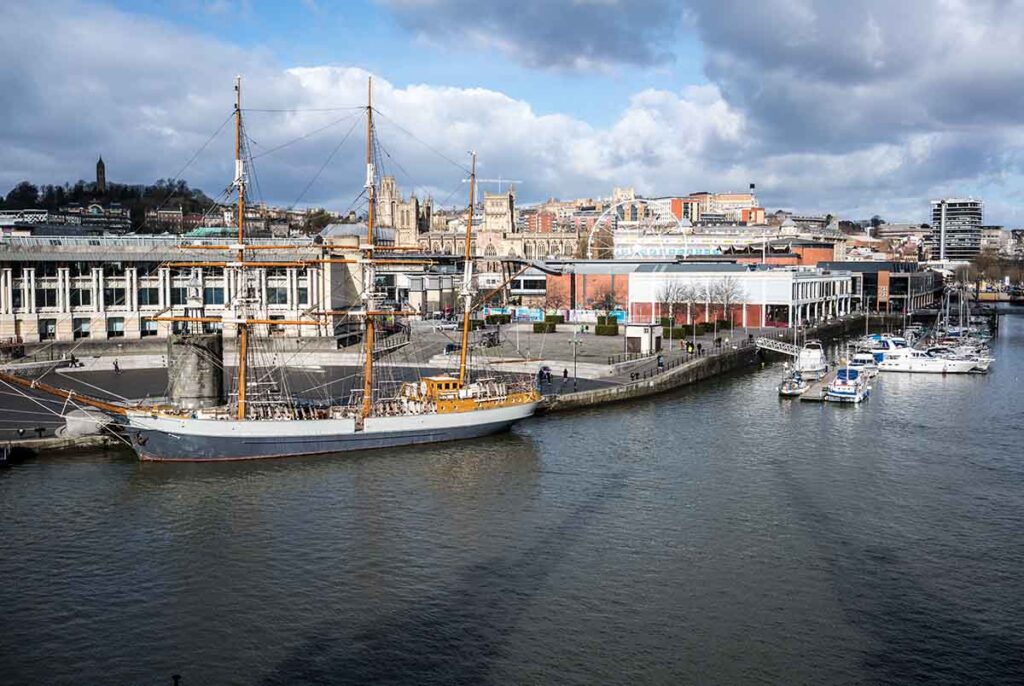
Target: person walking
{"x":117,"y":367}
{"x":565,"y":374}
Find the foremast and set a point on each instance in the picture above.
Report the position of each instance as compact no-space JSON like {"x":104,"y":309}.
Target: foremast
{"x":466,"y":291}
{"x":242,"y":326}
{"x":368,"y":272}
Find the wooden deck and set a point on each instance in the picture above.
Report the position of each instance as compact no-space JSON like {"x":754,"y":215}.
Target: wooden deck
{"x":816,"y":392}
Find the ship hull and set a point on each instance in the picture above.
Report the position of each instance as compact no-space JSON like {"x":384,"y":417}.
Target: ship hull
{"x":207,"y":440}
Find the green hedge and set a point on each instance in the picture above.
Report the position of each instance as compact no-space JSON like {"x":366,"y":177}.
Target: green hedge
{"x":606,"y":330}
{"x":498,"y":319}
{"x":676,"y":333}
{"x":554,"y":319}
{"x":724,"y":324}
{"x":543,"y":327}
{"x":475,"y":324}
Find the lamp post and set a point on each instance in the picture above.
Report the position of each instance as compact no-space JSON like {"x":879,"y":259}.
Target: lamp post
{"x":575,"y":343}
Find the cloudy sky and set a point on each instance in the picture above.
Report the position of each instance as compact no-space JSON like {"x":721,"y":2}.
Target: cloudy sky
{"x":855,"y":108}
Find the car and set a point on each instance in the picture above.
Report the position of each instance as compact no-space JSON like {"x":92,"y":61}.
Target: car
{"x":450,"y":325}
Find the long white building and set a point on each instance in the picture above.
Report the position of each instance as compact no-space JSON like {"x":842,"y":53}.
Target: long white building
{"x":778,"y":296}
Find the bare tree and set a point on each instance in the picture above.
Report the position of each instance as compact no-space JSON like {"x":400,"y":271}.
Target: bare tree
{"x":671,"y":295}
{"x":729,"y":293}
{"x":689,"y":294}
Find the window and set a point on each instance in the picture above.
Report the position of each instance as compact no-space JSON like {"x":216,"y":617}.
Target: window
{"x":47,"y":329}
{"x":149,"y":327}
{"x":113,"y":268}
{"x":213,"y":296}
{"x":212,"y":327}
{"x":149,"y":296}
{"x":46,"y":269}
{"x":16,"y":300}
{"x":179,"y":295}
{"x":303,"y":296}
{"x":80,"y":328}
{"x":46,"y":297}
{"x":277,"y":271}
{"x":80,"y":268}
{"x":276,"y":329}
{"x":115,"y":327}
{"x":81,"y":297}
{"x":277,"y":295}
{"x":113,"y":297}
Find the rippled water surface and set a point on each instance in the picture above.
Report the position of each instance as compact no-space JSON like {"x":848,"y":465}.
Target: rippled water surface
{"x":716,"y":535}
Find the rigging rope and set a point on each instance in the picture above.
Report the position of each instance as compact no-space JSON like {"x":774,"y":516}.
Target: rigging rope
{"x":324,"y":165}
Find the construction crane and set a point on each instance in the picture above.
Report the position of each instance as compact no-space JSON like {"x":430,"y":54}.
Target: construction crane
{"x":498,"y":181}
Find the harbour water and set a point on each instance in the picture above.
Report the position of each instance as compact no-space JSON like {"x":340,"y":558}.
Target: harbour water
{"x":714,"y":535}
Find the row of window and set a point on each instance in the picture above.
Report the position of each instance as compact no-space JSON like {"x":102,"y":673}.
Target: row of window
{"x":82,"y":328}
{"x":113,"y":297}
{"x":50,"y":269}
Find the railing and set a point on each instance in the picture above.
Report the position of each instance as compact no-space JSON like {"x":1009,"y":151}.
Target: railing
{"x":686,"y":357}
{"x":628,"y":357}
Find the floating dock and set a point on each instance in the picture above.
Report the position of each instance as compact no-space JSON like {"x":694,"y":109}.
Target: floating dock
{"x":815,"y":393}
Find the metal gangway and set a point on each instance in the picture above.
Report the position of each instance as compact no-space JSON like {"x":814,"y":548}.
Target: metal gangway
{"x":778,"y":346}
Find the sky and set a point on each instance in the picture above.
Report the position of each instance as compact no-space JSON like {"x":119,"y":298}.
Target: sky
{"x":856,"y":108}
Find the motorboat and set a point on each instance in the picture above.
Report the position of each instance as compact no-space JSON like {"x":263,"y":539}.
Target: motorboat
{"x":882,"y":346}
{"x":849,"y":386}
{"x":811,"y":361}
{"x":981,"y":360}
{"x":919,"y":362}
{"x":793,"y":385}
{"x":865,"y":363}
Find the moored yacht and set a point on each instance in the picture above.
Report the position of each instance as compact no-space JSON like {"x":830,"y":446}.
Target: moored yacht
{"x":864,"y":363}
{"x":920,"y":362}
{"x":849,"y":386}
{"x":811,"y":362}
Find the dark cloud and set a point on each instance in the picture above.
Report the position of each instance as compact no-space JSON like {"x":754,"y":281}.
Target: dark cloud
{"x":855,"y":110}
{"x":568,"y":34}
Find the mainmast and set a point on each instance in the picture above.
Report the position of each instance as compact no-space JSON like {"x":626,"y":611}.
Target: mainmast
{"x":243,"y":329}
{"x":467,"y":276}
{"x":369,"y":275}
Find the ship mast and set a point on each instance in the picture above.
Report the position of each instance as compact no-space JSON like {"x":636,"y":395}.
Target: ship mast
{"x":467,"y":276}
{"x":243,"y":329}
{"x":369,"y":275}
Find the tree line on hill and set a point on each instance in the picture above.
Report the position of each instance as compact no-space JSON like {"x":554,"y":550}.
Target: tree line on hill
{"x":137,"y":199}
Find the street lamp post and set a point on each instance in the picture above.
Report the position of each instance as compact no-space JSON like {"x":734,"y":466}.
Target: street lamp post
{"x":575,"y":343}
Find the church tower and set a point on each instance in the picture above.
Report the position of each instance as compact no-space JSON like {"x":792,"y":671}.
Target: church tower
{"x":101,"y":176}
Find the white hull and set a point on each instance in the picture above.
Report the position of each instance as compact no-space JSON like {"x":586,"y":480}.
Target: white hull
{"x":926,"y":366}
{"x":164,"y":438}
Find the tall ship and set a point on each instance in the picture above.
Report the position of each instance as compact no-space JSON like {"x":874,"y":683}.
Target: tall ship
{"x":261,"y":419}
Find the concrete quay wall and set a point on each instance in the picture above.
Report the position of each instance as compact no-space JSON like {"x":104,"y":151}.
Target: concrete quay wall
{"x":708,"y":366}
{"x":690,"y":372}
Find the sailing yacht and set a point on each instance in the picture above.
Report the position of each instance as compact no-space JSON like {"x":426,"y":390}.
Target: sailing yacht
{"x":430,"y":409}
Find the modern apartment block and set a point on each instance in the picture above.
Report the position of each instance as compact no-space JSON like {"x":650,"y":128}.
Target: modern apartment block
{"x":956,"y":228}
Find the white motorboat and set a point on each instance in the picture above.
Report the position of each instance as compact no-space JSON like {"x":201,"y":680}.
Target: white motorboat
{"x":981,"y":360}
{"x":849,"y":386}
{"x":919,"y":362}
{"x":811,"y":362}
{"x":864,"y":363}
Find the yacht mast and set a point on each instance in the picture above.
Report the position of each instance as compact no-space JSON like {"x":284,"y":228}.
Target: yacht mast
{"x":243,"y":329}
{"x":369,"y":276}
{"x":467,"y":276}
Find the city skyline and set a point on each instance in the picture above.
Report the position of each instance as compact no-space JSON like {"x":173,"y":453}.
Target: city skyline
{"x":876,"y":126}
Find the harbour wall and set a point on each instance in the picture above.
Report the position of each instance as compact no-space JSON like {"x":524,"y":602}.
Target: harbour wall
{"x":746,"y":354}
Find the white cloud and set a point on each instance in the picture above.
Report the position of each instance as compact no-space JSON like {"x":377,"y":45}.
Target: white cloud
{"x":146,"y":94}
